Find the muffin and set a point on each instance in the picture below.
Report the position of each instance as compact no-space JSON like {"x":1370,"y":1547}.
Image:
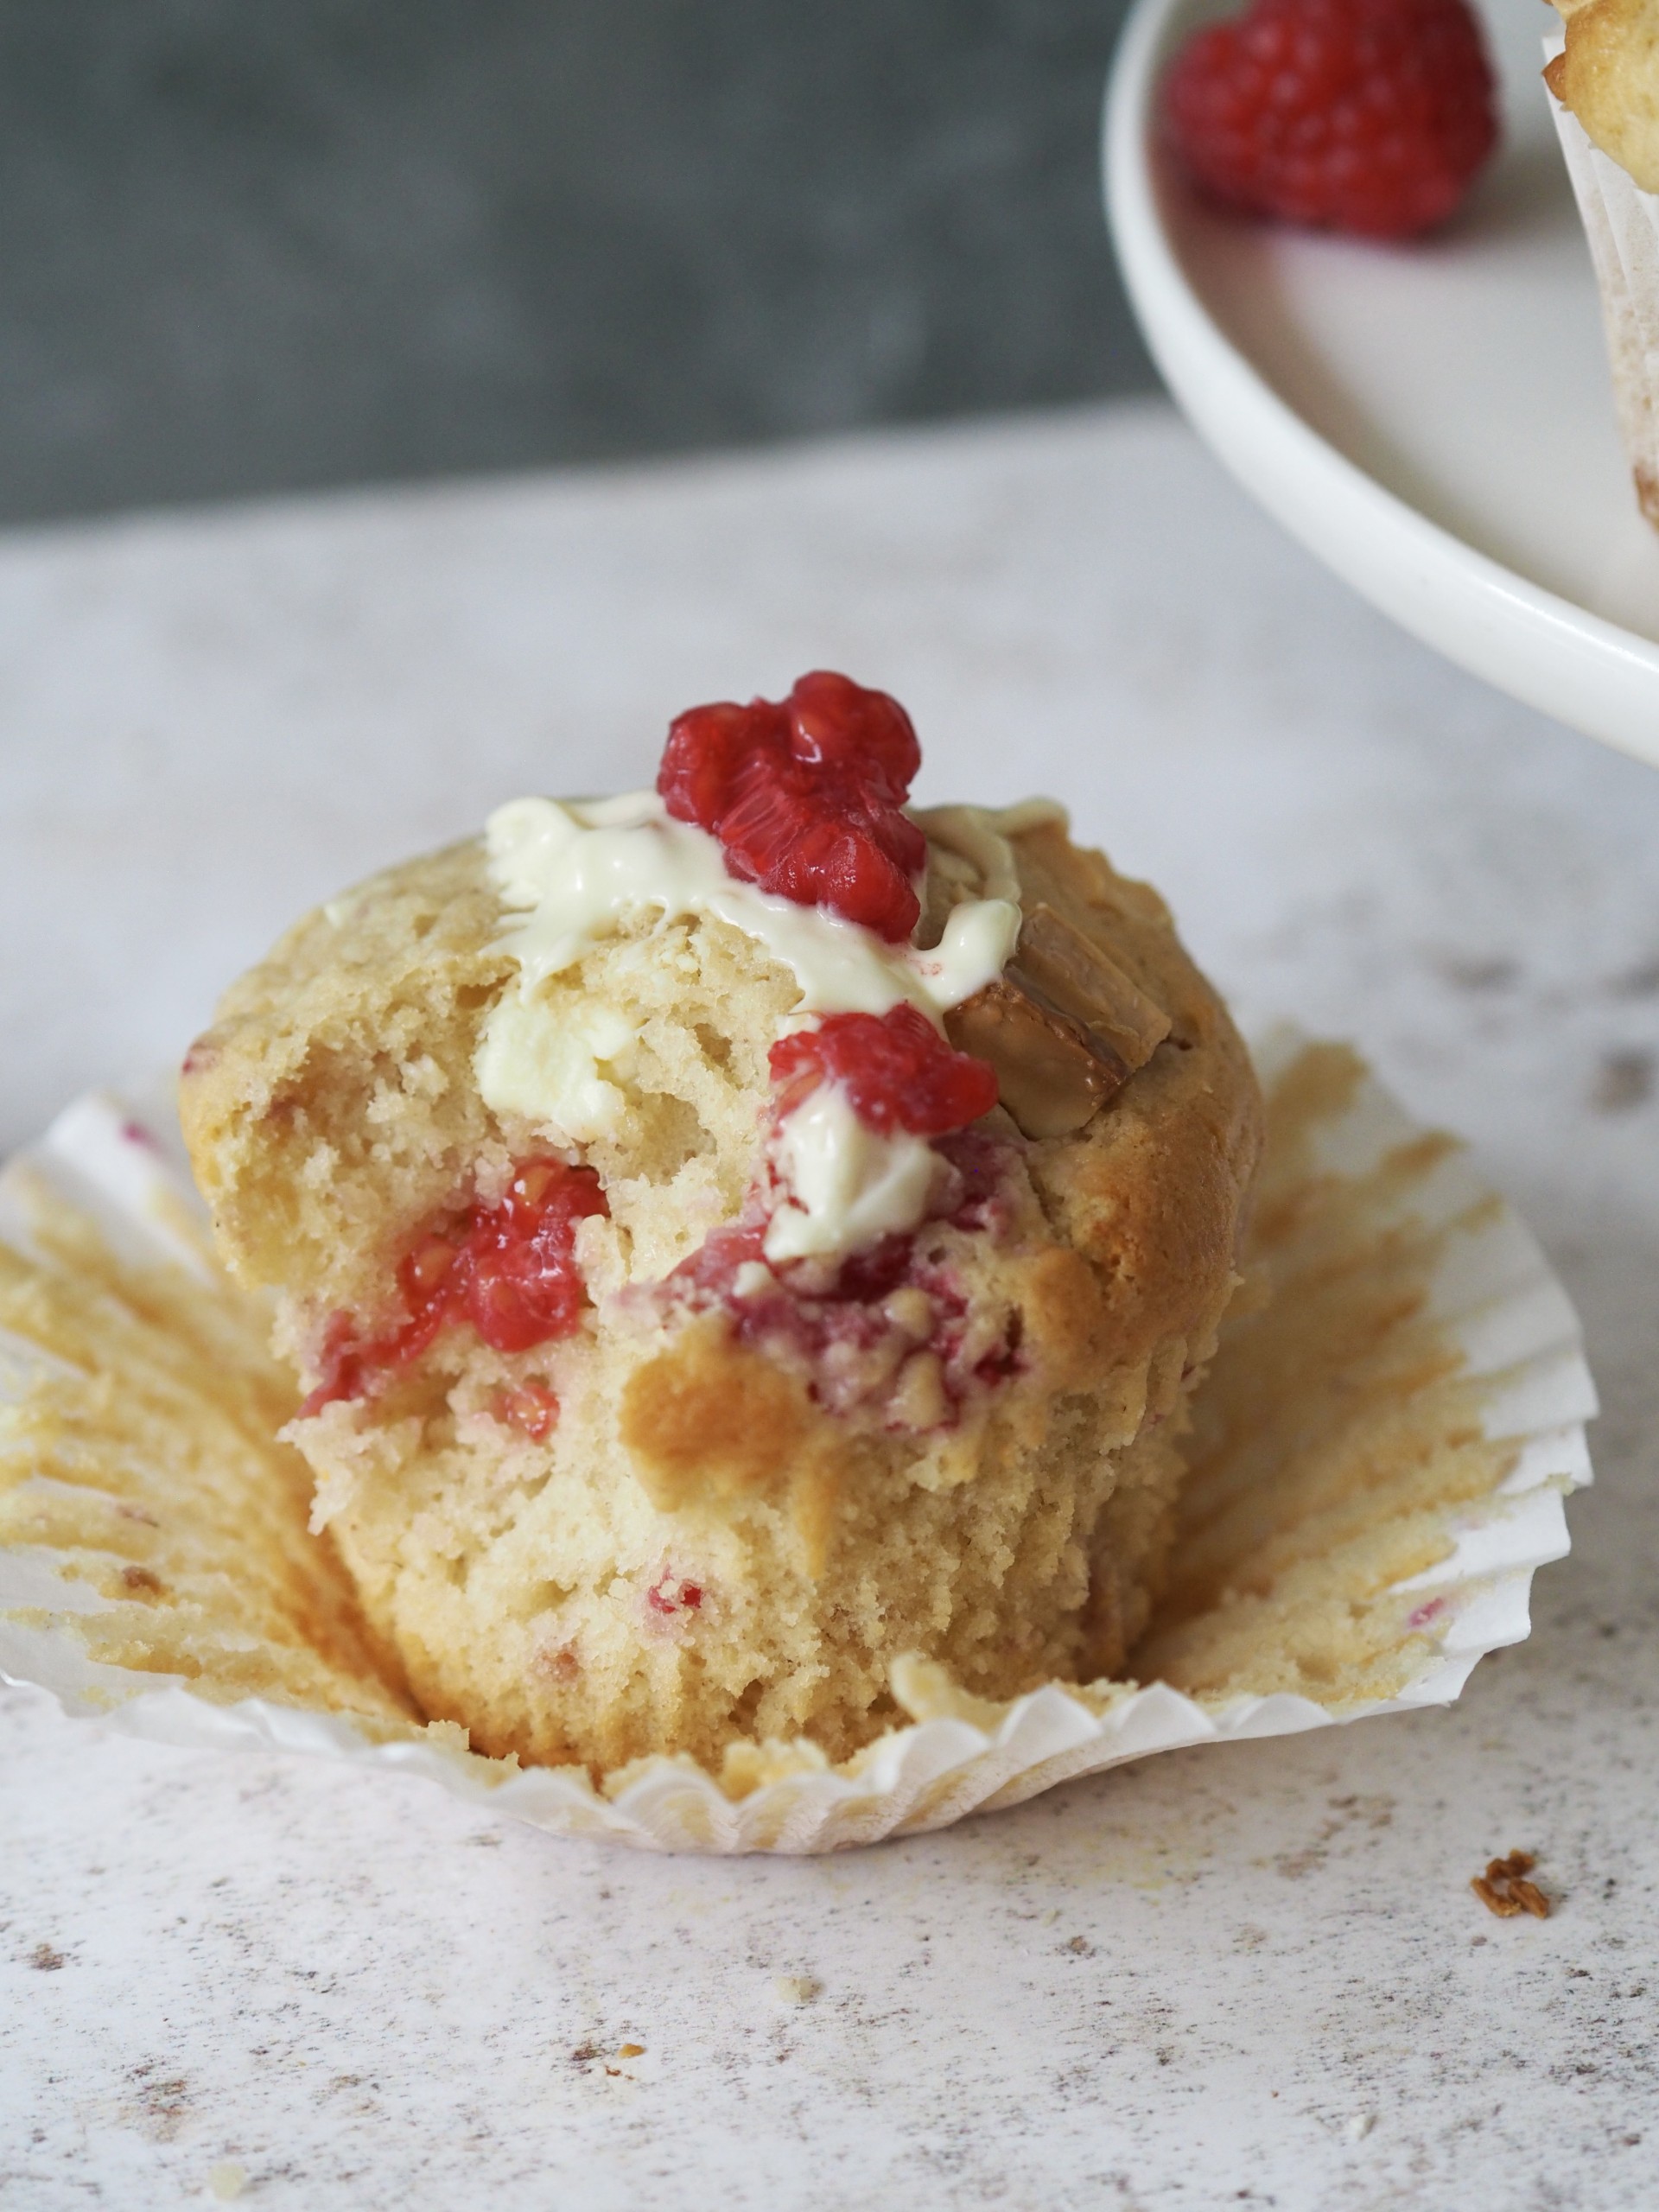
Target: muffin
{"x":1603,"y":78}
{"x":734,"y":1237}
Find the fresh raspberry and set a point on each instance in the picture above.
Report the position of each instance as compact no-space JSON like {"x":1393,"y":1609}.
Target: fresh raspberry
{"x":898,"y":1071}
{"x":1371,"y":116}
{"x":805,"y":796}
{"x":510,"y":1269}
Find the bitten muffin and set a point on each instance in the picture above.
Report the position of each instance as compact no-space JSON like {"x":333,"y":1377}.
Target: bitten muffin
{"x":736,"y":1235}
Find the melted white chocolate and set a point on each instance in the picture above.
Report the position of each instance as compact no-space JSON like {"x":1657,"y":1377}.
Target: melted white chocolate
{"x":577,"y":870}
{"x":846,"y":1185}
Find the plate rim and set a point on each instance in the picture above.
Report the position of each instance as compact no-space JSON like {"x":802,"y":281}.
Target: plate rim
{"x":1535,"y":645}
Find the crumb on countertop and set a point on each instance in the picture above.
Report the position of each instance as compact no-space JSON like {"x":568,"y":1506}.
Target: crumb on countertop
{"x":1504,"y":1889}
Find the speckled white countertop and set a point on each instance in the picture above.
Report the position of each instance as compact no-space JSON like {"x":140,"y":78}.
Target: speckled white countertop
{"x":1251,"y":1974}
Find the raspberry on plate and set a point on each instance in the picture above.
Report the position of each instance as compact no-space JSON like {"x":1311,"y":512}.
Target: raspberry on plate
{"x":1371,"y":116}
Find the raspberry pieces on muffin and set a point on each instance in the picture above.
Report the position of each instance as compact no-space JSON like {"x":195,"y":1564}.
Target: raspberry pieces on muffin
{"x":733,"y":1236}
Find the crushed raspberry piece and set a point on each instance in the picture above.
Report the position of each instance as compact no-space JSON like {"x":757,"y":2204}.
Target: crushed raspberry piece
{"x":531,"y":1408}
{"x":1372,"y":116}
{"x":510,"y":1269}
{"x":518,"y":1277}
{"x":853,"y":1321}
{"x":898,"y":1070}
{"x":715,"y":1263}
{"x":669,"y":1594}
{"x":805,"y":796}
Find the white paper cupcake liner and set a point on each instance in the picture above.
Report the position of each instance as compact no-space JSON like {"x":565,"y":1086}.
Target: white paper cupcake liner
{"x":1621,"y":222}
{"x":1504,"y":1322}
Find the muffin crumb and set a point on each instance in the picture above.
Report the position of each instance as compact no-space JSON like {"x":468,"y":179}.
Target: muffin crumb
{"x":1504,"y":1890}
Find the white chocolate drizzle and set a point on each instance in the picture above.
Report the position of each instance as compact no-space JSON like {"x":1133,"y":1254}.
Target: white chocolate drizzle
{"x":577,"y":871}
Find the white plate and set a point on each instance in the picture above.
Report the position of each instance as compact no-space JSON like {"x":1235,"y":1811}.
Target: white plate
{"x":1434,"y":420}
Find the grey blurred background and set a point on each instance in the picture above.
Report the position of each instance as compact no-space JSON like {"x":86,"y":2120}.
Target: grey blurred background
{"x":258,"y":245}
